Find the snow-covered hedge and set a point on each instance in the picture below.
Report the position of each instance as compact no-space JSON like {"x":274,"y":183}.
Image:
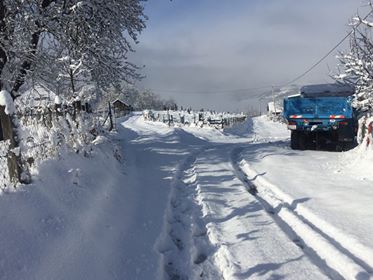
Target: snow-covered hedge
{"x":365,"y":132}
{"x":47,"y":136}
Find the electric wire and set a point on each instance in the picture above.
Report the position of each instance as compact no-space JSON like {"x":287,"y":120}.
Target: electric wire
{"x":297,"y":78}
{"x":327,"y":54}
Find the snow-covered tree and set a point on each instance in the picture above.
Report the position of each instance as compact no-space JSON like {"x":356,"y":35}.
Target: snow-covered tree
{"x":356,"y":65}
{"x":140,"y":99}
{"x":356,"y":68}
{"x":65,"y":46}
{"x":80,"y":40}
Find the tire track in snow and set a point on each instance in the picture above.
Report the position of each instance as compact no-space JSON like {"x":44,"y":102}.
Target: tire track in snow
{"x":243,"y":241}
{"x":350,"y":259}
{"x":184,"y":246}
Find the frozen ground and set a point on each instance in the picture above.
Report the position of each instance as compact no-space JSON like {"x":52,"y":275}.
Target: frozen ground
{"x":192,"y":203}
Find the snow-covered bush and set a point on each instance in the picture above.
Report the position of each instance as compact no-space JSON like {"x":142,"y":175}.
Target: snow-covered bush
{"x":48,"y":135}
{"x":140,"y":99}
{"x":49,"y":124}
{"x":365,"y":132}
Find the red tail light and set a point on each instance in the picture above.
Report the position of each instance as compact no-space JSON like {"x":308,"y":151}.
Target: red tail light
{"x":295,"y":116}
{"x":292,"y":125}
{"x":343,"y":123}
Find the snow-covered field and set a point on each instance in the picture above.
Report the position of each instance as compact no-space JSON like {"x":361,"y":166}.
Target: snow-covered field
{"x":159,"y":202}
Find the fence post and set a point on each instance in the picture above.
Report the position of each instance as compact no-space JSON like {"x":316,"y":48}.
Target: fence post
{"x":77,"y":105}
{"x":7,"y":127}
{"x":58,"y":109}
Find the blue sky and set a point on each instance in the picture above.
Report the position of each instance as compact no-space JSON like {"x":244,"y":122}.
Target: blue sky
{"x":197,"y":51}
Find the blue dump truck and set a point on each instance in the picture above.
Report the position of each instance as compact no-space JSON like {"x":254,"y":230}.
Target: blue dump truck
{"x":321,"y":116}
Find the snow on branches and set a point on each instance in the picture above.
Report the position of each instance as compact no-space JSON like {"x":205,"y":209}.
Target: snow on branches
{"x":66,"y":44}
{"x":356,"y":65}
{"x":95,"y":42}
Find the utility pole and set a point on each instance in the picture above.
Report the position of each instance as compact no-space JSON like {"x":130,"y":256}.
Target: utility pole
{"x":273,"y":99}
{"x":260,"y":105}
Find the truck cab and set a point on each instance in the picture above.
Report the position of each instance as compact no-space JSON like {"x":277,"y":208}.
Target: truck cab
{"x":321,"y":115}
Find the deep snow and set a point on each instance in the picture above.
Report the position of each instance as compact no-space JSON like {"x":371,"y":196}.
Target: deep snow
{"x":192,"y":203}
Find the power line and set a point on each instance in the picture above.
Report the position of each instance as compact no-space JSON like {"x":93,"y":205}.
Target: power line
{"x":268,"y":87}
{"x":210,"y":91}
{"x":326,"y":55}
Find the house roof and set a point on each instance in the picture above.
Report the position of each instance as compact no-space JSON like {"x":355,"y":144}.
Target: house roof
{"x":37,"y":97}
{"x":121,"y":101}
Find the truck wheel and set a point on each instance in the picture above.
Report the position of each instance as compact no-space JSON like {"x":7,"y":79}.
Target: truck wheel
{"x":302,"y":141}
{"x":348,"y":146}
{"x":294,"y":140}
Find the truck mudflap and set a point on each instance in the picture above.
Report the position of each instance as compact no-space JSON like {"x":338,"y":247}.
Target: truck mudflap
{"x":325,"y":140}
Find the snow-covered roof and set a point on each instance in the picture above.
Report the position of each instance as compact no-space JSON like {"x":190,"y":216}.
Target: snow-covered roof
{"x":318,"y":90}
{"x":121,"y":101}
{"x":37,"y":97}
{"x":294,"y":95}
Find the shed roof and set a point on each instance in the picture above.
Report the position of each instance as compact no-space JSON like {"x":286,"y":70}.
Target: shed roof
{"x":121,"y":101}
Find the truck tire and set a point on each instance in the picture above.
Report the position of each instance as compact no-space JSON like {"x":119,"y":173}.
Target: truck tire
{"x":302,"y":141}
{"x":339,"y":147}
{"x":345,"y":146}
{"x":294,"y":140}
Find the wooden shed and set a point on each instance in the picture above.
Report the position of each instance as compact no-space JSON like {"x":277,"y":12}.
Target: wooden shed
{"x":121,"y":108}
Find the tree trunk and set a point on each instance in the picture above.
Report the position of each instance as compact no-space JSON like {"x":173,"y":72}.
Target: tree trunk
{"x":7,"y":127}
{"x":71,"y":74}
{"x":27,"y":64}
{"x":3,"y":56}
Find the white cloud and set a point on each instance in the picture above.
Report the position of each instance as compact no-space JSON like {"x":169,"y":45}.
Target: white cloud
{"x":242,"y":45}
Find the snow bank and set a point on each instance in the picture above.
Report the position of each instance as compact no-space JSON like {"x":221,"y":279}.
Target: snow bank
{"x":190,"y":118}
{"x":242,"y":129}
{"x":314,"y":231}
{"x":358,"y":162}
{"x":268,"y":130}
{"x":65,"y":225}
{"x":360,"y":159}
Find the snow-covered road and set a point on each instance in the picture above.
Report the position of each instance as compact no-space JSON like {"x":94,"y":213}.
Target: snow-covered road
{"x":214,"y":219}
{"x":192,"y":203}
{"x":213,"y":227}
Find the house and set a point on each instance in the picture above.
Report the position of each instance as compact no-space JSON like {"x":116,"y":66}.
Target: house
{"x":274,"y":109}
{"x":121,"y":108}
